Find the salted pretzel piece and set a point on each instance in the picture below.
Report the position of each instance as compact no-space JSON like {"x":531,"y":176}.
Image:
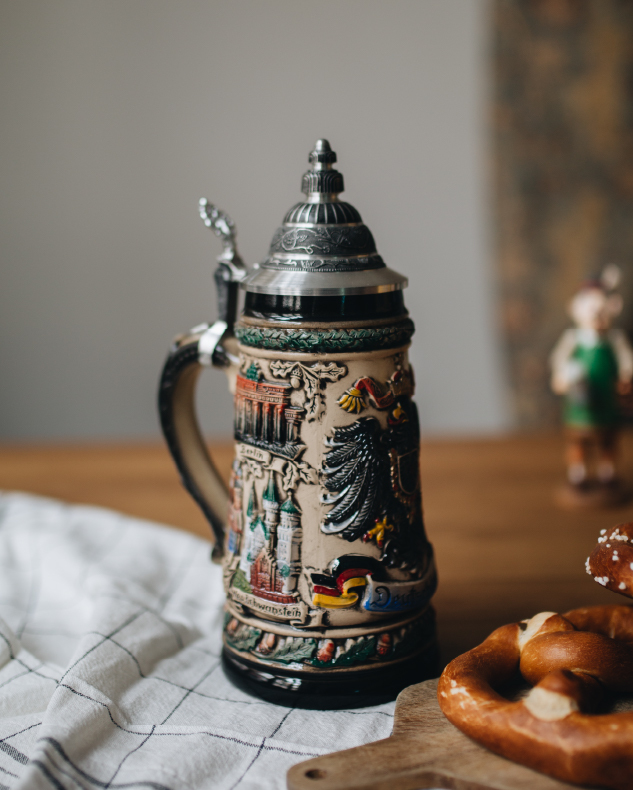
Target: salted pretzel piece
{"x":611,"y":562}
{"x":570,"y":658}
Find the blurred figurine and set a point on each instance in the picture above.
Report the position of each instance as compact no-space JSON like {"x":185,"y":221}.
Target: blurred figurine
{"x":592,"y":367}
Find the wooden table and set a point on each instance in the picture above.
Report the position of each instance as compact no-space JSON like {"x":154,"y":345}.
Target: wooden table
{"x":504,"y":551}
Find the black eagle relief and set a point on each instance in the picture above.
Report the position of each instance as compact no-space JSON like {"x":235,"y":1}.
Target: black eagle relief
{"x":372,"y":477}
{"x":356,"y":471}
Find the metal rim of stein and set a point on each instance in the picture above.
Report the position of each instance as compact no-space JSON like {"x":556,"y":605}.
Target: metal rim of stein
{"x":327,"y":569}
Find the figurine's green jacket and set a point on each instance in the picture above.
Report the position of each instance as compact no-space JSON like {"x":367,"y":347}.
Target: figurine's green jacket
{"x":592,"y":364}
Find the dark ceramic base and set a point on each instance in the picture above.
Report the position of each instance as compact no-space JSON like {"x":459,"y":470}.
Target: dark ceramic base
{"x":322,"y":690}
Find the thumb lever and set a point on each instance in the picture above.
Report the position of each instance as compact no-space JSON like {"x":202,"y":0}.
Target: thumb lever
{"x":231,"y":270}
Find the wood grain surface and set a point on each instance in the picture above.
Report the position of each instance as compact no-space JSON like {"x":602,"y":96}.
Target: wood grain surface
{"x":504,"y":551}
{"x":424,"y":751}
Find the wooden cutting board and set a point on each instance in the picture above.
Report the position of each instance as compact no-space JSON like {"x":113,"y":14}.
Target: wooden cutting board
{"x":424,"y":751}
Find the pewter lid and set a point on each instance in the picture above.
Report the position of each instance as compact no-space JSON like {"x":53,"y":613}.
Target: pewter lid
{"x":323,"y":248}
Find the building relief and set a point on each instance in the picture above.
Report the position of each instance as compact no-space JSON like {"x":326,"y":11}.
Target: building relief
{"x":264,"y":416}
{"x":267,"y":539}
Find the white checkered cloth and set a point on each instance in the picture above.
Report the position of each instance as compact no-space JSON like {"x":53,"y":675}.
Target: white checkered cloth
{"x":110,"y":672}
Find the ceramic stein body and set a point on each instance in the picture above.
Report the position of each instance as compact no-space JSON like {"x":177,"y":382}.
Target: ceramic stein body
{"x":327,"y":569}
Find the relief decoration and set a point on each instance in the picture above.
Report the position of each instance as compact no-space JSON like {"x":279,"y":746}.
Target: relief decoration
{"x":371,"y":472}
{"x":358,"y":579}
{"x":312,"y":377}
{"x":328,"y":240}
{"x":329,"y":653}
{"x":326,"y":340}
{"x":264,"y":415}
{"x":264,"y":549}
{"x":366,"y":389}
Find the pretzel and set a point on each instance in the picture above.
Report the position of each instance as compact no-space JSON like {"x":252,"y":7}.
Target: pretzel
{"x":570,"y":660}
{"x":611,"y":562}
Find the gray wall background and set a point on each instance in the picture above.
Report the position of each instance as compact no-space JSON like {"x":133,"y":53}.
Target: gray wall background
{"x":117,"y":115}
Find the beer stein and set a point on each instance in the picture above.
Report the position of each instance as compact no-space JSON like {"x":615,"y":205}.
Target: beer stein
{"x":327,"y":569}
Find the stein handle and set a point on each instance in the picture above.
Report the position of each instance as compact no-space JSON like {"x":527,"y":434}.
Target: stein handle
{"x":203,"y":346}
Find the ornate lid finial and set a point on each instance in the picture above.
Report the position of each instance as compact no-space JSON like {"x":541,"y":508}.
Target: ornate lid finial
{"x":322,"y":155}
{"x":322,"y":181}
